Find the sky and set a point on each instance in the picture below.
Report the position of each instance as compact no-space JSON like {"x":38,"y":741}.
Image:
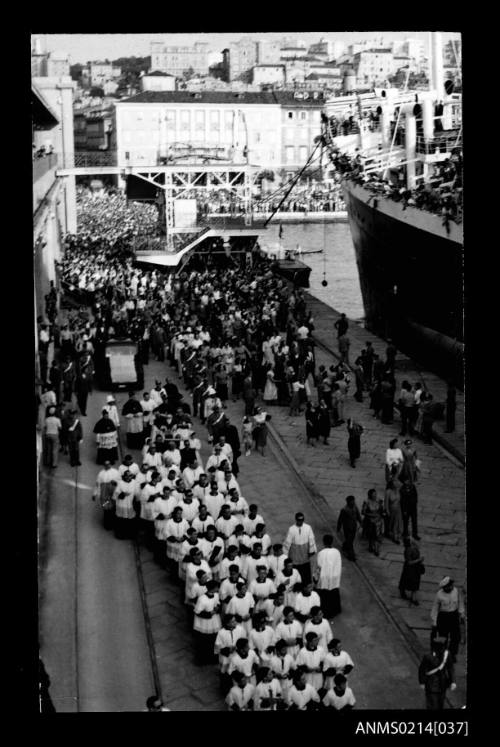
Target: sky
{"x":84,"y":47}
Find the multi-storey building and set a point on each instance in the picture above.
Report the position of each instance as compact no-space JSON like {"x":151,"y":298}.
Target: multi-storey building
{"x":301,"y":123}
{"x":177,"y":59}
{"x":240,"y":58}
{"x":93,"y":128}
{"x":373,"y":67}
{"x":54,"y":198}
{"x":275,"y":130}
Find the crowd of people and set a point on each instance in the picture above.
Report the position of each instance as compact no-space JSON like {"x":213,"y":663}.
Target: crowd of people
{"x":239,"y":335}
{"x":441,"y":195}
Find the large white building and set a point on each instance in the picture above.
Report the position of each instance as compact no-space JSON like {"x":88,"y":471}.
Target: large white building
{"x":177,"y":60}
{"x":276,"y":129}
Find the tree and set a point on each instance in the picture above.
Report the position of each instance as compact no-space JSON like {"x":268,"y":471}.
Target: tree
{"x":97,"y":92}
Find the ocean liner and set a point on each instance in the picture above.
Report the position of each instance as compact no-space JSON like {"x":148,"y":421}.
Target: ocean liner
{"x":400,"y":156}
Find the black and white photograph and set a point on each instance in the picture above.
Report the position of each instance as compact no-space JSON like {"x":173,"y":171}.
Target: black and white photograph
{"x":249,"y":372}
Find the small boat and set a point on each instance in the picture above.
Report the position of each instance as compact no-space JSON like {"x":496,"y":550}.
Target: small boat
{"x":286,"y":264}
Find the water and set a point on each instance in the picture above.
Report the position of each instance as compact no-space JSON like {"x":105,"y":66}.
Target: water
{"x":337,"y":261}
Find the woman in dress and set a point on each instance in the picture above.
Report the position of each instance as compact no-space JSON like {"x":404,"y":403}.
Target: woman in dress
{"x":373,"y":512}
{"x":392,"y":508}
{"x":107,"y":439}
{"x":410,"y":467}
{"x":412,"y":570}
{"x":270,"y":389}
{"x":260,"y":429}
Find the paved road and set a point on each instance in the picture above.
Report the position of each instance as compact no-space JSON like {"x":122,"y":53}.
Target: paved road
{"x":92,"y":633}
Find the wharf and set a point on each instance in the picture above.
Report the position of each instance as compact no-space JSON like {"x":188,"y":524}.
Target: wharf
{"x":384,"y":635}
{"x":381,"y":631}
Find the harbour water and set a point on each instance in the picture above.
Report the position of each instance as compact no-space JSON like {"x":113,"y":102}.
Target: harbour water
{"x":336,"y":262}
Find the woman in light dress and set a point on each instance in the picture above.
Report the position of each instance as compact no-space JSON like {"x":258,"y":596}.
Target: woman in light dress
{"x":270,"y":390}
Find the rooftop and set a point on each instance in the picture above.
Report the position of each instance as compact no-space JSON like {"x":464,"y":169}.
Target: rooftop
{"x":159,"y":74}
{"x":283,"y":98}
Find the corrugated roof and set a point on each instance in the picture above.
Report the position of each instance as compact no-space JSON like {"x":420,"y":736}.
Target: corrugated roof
{"x":283,"y":98}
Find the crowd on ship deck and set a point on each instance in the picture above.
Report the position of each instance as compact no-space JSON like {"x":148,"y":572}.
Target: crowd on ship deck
{"x":441,"y":194}
{"x":244,"y":336}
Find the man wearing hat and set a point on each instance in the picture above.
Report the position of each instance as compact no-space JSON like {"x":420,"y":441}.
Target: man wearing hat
{"x":446,"y":614}
{"x":436,"y":675}
{"x":112,"y":410}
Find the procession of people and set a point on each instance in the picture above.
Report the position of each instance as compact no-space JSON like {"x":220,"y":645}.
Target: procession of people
{"x":262,"y":607}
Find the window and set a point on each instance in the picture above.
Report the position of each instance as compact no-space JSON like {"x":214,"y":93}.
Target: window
{"x":228,"y":119}
{"x":170,"y":119}
{"x":290,"y":153}
{"x":303,"y":152}
{"x":199,"y":119}
{"x":185,"y":119}
{"x":290,"y":115}
{"x":303,"y":115}
{"x":215,"y":120}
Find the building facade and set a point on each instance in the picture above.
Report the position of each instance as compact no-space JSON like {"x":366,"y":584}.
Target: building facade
{"x":177,"y":60}
{"x":275,"y":130}
{"x":300,"y":124}
{"x":54,"y":198}
{"x":268,"y":74}
{"x":102,"y":72}
{"x":242,"y":56}
{"x":158,"y":81}
{"x":373,"y":67}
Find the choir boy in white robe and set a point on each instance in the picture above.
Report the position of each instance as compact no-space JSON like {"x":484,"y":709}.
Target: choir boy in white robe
{"x":321,"y":627}
{"x":225,"y":646}
{"x":202,"y":521}
{"x":283,"y":666}
{"x":228,"y":588}
{"x":240,"y":696}
{"x":301,"y":695}
{"x":340,"y":697}
{"x":244,"y":660}
{"x":268,"y":694}
{"x":213,"y":551}
{"x":336,"y":661}
{"x":230,"y":558}
{"x":290,"y":630}
{"x":262,"y":537}
{"x":262,"y":638}
{"x":207,"y":622}
{"x":305,"y":601}
{"x":242,"y":605}
{"x":311,"y":658}
{"x":261,"y":587}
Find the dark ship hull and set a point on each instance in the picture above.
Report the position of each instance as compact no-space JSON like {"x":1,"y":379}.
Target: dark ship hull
{"x":410,"y":269}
